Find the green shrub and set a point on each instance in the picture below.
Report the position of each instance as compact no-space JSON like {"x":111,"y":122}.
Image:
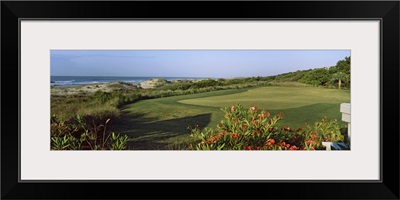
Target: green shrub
{"x":316,"y":77}
{"x":254,"y":129}
{"x":77,"y":134}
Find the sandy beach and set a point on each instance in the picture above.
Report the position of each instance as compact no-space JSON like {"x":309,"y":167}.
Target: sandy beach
{"x":106,"y":87}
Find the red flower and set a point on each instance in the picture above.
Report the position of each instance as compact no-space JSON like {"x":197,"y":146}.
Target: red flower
{"x":279,"y":115}
{"x":262,"y":115}
{"x":235,"y":135}
{"x":293,"y":147}
{"x":314,"y":136}
{"x":233,"y":108}
{"x":248,"y":148}
{"x":286,"y":128}
{"x":272,"y":141}
{"x":220,"y":134}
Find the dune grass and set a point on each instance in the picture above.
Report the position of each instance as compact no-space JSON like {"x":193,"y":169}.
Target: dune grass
{"x":162,"y":123}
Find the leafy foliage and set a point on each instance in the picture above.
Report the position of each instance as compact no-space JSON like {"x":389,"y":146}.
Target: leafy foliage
{"x":317,"y":77}
{"x":254,"y":129}
{"x":338,"y":75}
{"x":76,"y":134}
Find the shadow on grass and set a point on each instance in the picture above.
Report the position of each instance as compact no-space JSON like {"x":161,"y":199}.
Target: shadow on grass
{"x":152,"y":134}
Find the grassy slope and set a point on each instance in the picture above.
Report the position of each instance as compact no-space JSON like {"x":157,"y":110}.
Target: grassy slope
{"x":154,"y":123}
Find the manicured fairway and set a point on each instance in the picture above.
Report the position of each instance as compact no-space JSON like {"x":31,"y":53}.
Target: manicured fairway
{"x":275,"y":97}
{"x":162,"y":123}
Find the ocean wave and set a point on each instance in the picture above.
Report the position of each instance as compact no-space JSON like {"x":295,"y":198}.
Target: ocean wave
{"x":70,"y":81}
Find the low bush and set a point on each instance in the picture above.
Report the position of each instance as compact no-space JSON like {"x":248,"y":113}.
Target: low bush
{"x":254,"y":129}
{"x":77,"y":134}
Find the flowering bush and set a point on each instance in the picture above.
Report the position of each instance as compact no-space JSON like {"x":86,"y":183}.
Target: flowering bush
{"x":254,"y":129}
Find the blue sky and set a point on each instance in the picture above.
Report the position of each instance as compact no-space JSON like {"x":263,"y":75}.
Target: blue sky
{"x":189,"y":63}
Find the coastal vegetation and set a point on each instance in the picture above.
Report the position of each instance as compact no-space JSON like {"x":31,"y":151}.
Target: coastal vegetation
{"x":197,"y":114}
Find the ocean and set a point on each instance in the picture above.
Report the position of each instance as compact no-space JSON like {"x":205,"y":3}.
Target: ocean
{"x":84,"y":80}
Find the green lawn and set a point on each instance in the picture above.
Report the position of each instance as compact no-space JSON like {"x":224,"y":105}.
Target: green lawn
{"x":162,"y":123}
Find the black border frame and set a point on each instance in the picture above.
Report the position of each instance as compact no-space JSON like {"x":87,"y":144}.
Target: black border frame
{"x":386,"y":11}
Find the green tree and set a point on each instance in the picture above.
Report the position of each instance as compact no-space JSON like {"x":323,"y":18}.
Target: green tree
{"x":316,"y":77}
{"x":344,"y":65}
{"x":340,"y":77}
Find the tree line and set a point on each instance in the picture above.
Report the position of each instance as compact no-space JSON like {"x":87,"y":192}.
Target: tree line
{"x":334,"y":76}
{"x":337,"y":76}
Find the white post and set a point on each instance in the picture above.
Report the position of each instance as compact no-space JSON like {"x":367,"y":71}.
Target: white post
{"x":327,"y":145}
{"x":345,"y":110}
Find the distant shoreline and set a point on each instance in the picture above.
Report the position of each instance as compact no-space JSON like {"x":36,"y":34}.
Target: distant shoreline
{"x":88,"y":80}
{"x":91,"y":88}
